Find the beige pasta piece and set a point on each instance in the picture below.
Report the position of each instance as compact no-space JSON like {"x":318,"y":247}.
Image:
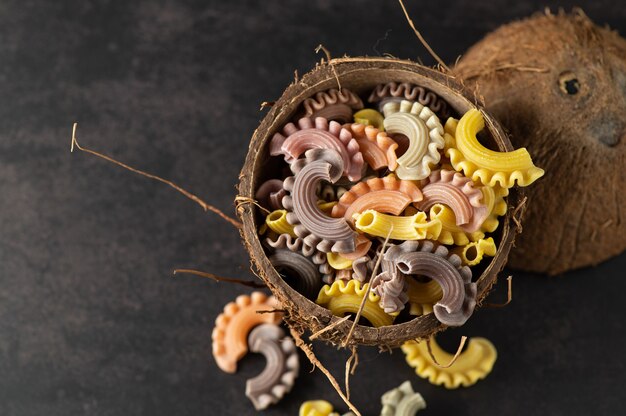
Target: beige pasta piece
{"x":473,"y":364}
{"x":230,"y":335}
{"x":378,"y":149}
{"x":425,"y":133}
{"x":388,"y":195}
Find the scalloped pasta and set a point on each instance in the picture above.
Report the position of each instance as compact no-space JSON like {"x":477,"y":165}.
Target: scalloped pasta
{"x":370,"y":117}
{"x":342,"y":298}
{"x":450,"y":232}
{"x":415,"y":227}
{"x":277,"y":222}
{"x":483,"y":165}
{"x":474,"y":364}
{"x":473,"y":253}
{"x":425,"y":134}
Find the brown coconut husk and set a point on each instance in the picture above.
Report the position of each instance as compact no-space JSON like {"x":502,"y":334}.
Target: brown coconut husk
{"x":575,"y":215}
{"x":359,"y":75}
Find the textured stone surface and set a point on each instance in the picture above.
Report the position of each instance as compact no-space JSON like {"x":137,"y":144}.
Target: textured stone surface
{"x":91,"y":321}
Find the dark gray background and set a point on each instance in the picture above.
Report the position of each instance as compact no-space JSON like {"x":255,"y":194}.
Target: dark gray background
{"x":91,"y":321}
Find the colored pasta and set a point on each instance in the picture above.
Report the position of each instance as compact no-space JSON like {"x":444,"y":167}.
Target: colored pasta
{"x":415,"y":227}
{"x":370,"y":117}
{"x":311,"y":224}
{"x":402,"y":401}
{"x":302,"y":273}
{"x":342,"y":298}
{"x":270,"y":194}
{"x":319,"y":134}
{"x":483,"y":165}
{"x":281,"y":368}
{"x":425,"y":134}
{"x":232,"y":326}
{"x":457,"y":192}
{"x":473,"y":253}
{"x":378,"y":149}
{"x":450,"y":232}
{"x":387,"y":195}
{"x":423,"y":296}
{"x":277,"y":222}
{"x":394,"y":91}
{"x":332,"y":105}
{"x":473,"y":364}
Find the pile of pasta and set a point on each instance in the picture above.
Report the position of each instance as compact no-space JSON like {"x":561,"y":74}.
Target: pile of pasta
{"x":396,"y":202}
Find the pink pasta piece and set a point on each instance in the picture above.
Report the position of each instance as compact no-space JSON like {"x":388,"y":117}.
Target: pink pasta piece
{"x":378,"y":149}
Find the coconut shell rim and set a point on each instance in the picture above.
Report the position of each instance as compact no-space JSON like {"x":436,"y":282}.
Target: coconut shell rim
{"x":304,"y":313}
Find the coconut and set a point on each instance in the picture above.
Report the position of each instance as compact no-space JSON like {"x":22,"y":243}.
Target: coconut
{"x":358,"y":75}
{"x":558,"y":84}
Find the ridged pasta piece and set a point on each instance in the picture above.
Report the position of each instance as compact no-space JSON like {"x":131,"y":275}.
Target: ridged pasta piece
{"x":423,"y":296}
{"x":342,"y":298}
{"x":457,"y":192}
{"x":427,"y":259}
{"x":300,"y":271}
{"x":270,"y":194}
{"x":316,"y":408}
{"x":473,"y":364}
{"x":425,"y":134}
{"x":416,"y":227}
{"x":473,"y":253}
{"x":486,"y":166}
{"x":392,"y":289}
{"x":281,"y":367}
{"x":493,"y":198}
{"x":402,"y":401}
{"x":332,"y":104}
{"x":285,"y":241}
{"x":310,"y":223}
{"x":230,"y":335}
{"x":319,"y":134}
{"x":338,"y":262}
{"x":387,"y":195}
{"x":277,"y":222}
{"x":450,"y":232}
{"x":370,"y":117}
{"x":378,"y":149}
{"x":394,"y":91}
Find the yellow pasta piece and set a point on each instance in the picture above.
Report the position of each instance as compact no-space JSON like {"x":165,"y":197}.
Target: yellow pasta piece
{"x":414,"y":227}
{"x":326,"y":207}
{"x":473,"y":364}
{"x":316,"y":408}
{"x":487,"y":166}
{"x":338,"y":262}
{"x":450,"y":232}
{"x":423,"y":296}
{"x":277,"y":222}
{"x":473,"y":253}
{"x":370,"y":117}
{"x":342,"y":298}
{"x":493,"y":198}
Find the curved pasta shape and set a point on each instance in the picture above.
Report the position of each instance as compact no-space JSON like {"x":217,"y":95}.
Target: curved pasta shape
{"x":457,"y":192}
{"x":308,"y":281}
{"x":427,"y":259}
{"x":473,"y":364}
{"x":316,"y":408}
{"x":402,"y":401}
{"x":425,"y":133}
{"x":332,"y":104}
{"x":363,"y":245}
{"x":391,"y":287}
{"x":338,"y":262}
{"x":326,"y":207}
{"x":489,"y":167}
{"x":415,"y":227}
{"x":450,"y":232}
{"x":423,"y":296}
{"x":342,"y":298}
{"x":370,"y":117}
{"x":493,"y":198}
{"x":378,"y":149}
{"x":473,"y":253}
{"x":232,"y":326}
{"x":277,"y":222}
{"x":319,"y":134}
{"x":311,"y":224}
{"x":388,"y":195}
{"x":270,"y":194}
{"x":281,"y":368}
{"x":393,"y":91}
